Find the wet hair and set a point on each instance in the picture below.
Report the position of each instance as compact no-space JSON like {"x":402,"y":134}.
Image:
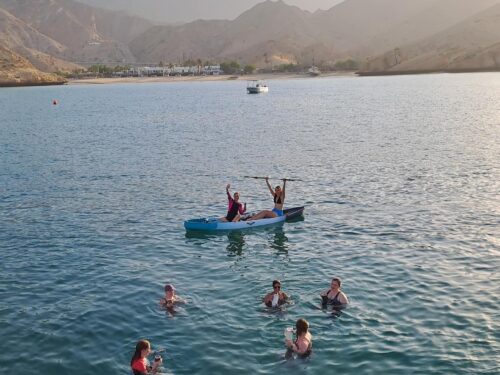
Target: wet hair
{"x":337,"y":280}
{"x":278,"y":187}
{"x":169,"y":288}
{"x":302,"y":326}
{"x":276,"y":282}
{"x":140,"y":346}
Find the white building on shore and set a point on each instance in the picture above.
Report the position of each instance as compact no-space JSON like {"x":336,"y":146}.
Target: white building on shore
{"x":212,"y":70}
{"x":162,"y":71}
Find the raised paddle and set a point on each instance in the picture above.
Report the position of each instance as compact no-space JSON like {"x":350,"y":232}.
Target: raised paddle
{"x":263,"y":178}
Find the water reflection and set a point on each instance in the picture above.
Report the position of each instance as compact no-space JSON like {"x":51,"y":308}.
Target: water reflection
{"x":193,"y":235}
{"x":236,"y":239}
{"x":236,"y":242}
{"x":280,"y":241}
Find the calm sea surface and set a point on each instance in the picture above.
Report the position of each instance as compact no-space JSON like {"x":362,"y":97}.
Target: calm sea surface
{"x":401,"y":187}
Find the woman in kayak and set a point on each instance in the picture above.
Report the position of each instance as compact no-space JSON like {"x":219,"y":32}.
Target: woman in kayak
{"x":235,"y":208}
{"x":277,"y":297}
{"x":139,"y":362}
{"x":279,"y":200}
{"x":334,"y":296}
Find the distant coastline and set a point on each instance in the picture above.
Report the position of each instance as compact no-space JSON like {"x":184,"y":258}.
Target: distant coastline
{"x":264,"y":77}
{"x":32,"y":83}
{"x":417,"y":72}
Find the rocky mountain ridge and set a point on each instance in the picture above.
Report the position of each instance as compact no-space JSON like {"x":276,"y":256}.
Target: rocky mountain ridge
{"x":382,"y":35}
{"x":473,"y":44}
{"x":15,"y":70}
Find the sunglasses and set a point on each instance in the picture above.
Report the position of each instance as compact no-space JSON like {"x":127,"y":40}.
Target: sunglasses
{"x":277,"y":286}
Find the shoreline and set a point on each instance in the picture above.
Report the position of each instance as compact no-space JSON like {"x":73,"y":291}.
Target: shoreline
{"x":32,"y":84}
{"x":420,"y":72}
{"x":170,"y":79}
{"x":220,"y":78}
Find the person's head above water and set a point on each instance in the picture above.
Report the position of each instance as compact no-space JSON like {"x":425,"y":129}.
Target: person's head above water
{"x":142,"y":350}
{"x":276,"y":285}
{"x":169,"y":288}
{"x":302,"y":327}
{"x":336,"y":282}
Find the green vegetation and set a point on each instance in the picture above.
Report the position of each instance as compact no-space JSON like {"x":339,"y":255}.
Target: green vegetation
{"x":249,"y":69}
{"x":100,"y":69}
{"x":348,"y":64}
{"x":230,"y":67}
{"x":105,"y":70}
{"x":286,"y":68}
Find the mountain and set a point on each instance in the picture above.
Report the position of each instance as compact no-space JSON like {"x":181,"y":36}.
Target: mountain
{"x":471,"y":44}
{"x":87,"y":34}
{"x":274,"y":32}
{"x":39,"y":49}
{"x":362,"y":28}
{"x":17,"y":71}
{"x":174,"y":11}
{"x":255,"y":36}
{"x":424,"y":34}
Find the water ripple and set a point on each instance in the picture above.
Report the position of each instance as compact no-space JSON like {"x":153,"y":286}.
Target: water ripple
{"x":401,"y":195}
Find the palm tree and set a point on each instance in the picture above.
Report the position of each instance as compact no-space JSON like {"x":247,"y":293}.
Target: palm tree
{"x":397,"y":55}
{"x":199,"y":62}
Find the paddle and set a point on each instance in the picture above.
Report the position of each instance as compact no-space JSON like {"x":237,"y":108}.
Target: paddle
{"x":263,"y":178}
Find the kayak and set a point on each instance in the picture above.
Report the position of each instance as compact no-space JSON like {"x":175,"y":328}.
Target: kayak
{"x":214,"y":224}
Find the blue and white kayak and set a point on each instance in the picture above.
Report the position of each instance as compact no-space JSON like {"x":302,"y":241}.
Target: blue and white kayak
{"x":214,"y":224}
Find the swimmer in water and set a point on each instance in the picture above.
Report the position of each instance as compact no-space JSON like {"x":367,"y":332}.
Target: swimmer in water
{"x":170,"y":299}
{"x":334,"y":296}
{"x":302,"y":345}
{"x":139,"y":362}
{"x":276,"y":298}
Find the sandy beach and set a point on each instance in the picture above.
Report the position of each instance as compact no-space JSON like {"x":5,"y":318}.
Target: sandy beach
{"x":266,"y":77}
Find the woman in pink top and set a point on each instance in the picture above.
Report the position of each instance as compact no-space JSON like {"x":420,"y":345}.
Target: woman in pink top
{"x":139,"y":362}
{"x":235,"y":208}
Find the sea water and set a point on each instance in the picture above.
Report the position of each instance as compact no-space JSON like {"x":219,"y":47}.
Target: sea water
{"x":399,"y":176}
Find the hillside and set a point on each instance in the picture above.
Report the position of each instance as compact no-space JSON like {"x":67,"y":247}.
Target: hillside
{"x":254,"y":37}
{"x":424,"y":34}
{"x":273,"y":32}
{"x":174,"y":11}
{"x":39,"y":49}
{"x":176,"y":44}
{"x":17,"y":71}
{"x":471,"y":44}
{"x":363,"y":28}
{"x":87,"y":34}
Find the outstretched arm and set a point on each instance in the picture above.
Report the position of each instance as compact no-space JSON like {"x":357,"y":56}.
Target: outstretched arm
{"x":227,"y":192}
{"x":269,"y":186}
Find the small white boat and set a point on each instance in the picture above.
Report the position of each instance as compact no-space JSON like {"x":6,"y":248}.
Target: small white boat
{"x":314,"y":71}
{"x":257,"y":87}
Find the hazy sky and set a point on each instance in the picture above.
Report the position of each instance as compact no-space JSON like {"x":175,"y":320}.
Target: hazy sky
{"x":188,"y":10}
{"x":313,"y":5}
